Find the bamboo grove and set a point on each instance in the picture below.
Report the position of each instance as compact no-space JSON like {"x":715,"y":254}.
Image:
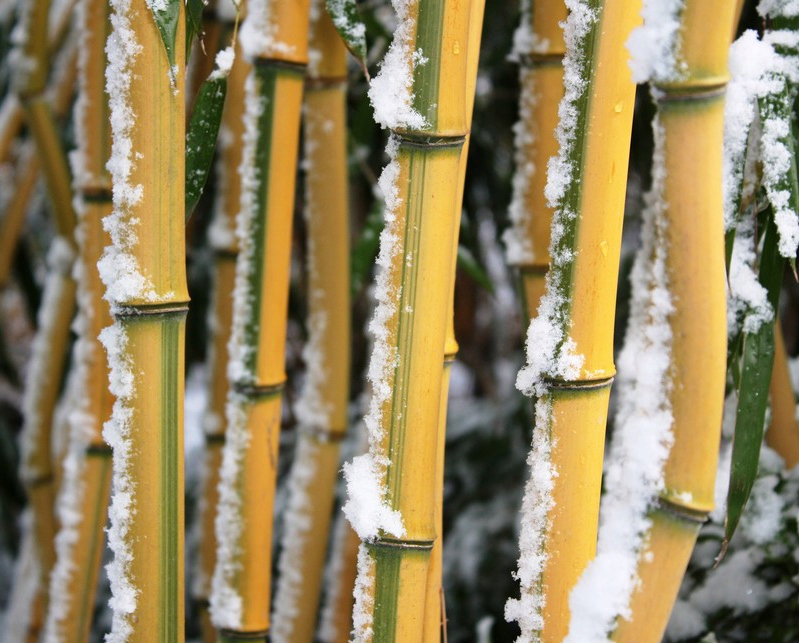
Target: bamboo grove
{"x":302,"y":339}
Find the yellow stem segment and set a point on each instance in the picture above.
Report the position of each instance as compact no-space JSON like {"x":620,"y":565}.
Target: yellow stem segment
{"x":691,"y":113}
{"x":783,"y":432}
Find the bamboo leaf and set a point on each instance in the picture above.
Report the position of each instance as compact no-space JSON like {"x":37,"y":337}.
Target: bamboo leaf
{"x":166,"y":14}
{"x":365,"y":248}
{"x":350,"y":27}
{"x":194,"y":21}
{"x":750,"y":417}
{"x":472,"y":267}
{"x":201,"y":137}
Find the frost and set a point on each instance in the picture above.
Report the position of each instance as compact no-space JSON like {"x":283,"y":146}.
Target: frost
{"x":27,"y":573}
{"x":366,"y":509}
{"x":364,"y":597}
{"x":390,"y":92}
{"x":226,"y":603}
{"x":643,"y":436}
{"x":655,"y":46}
{"x":516,"y":238}
{"x":528,"y":609}
{"x":119,"y":268}
{"x":258,"y":34}
{"x":525,"y":40}
{"x":299,"y":520}
{"x":224,"y":63}
{"x":328,"y":632}
{"x":122,"y":511}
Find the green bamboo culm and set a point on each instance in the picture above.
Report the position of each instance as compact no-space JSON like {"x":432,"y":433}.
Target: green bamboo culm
{"x":274,"y":39}
{"x":144,"y":273}
{"x":392,"y":490}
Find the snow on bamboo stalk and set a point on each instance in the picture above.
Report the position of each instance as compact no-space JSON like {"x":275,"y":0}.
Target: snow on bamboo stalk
{"x":660,"y":476}
{"x":83,"y":498}
{"x":143,"y":271}
{"x":322,"y":406}
{"x":420,"y":95}
{"x":538,"y":48}
{"x":222,"y":239}
{"x":274,"y":40}
{"x":570,"y":342}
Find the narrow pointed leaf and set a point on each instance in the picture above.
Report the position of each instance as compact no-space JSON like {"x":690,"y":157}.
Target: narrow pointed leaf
{"x":201,"y":137}
{"x":350,"y":27}
{"x":166,"y":14}
{"x":750,"y":417}
{"x":194,"y":22}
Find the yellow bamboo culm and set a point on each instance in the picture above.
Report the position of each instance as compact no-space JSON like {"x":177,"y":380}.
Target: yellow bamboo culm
{"x":423,"y":187}
{"x":539,"y":51}
{"x":322,"y":407}
{"x":783,"y":432}
{"x":14,"y":215}
{"x":690,"y":113}
{"x":145,"y":278}
{"x":223,"y":241}
{"x":274,"y":39}
{"x":87,"y":478}
{"x":435,"y":624}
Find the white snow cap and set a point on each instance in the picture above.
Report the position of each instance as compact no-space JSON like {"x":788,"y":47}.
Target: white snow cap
{"x":391,"y":91}
{"x":655,"y":46}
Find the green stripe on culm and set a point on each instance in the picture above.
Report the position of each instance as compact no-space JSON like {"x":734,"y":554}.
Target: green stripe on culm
{"x":429,"y":39}
{"x":170,"y":479}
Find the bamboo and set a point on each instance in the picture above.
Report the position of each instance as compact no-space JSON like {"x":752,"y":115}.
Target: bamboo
{"x":783,"y":432}
{"x":222,"y":239}
{"x":145,"y":277}
{"x":322,"y":407}
{"x":561,"y":504}
{"x":539,"y":50}
{"x":434,"y":617}
{"x":84,"y":499}
{"x":240,"y":594}
{"x":422,"y":185}
{"x":691,"y":116}
{"x":336,"y":619}
{"x":14,"y":216}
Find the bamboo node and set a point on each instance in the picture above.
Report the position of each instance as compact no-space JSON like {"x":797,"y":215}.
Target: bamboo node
{"x":681,"y":512}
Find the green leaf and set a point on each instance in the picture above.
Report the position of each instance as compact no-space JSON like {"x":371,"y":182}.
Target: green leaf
{"x":365,"y":249}
{"x":472,"y":267}
{"x":167,"y":19}
{"x":194,"y":21}
{"x":750,"y":416}
{"x":350,"y":27}
{"x":201,"y":137}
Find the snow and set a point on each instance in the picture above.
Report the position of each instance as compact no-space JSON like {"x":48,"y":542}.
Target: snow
{"x":258,"y":33}
{"x":525,"y":40}
{"x":655,"y":46}
{"x":519,"y":245}
{"x":59,"y":261}
{"x":224,"y":63}
{"x":299,"y":520}
{"x":643,"y":435}
{"x":527,"y":610}
{"x":25,"y":586}
{"x":122,"y":511}
{"x":333,"y":577}
{"x":119,"y":268}
{"x":365,"y":508}
{"x":787,"y":8}
{"x":391,"y":91}
{"x":364,"y":597}
{"x":226,"y":602}
{"x":747,"y":305}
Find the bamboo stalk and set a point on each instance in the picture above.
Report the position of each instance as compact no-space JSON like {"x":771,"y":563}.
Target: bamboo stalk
{"x":83,"y":500}
{"x":274,"y":39}
{"x":783,"y":432}
{"x":336,"y":619}
{"x":690,"y":121}
{"x":145,"y":278}
{"x":322,"y":407}
{"x":421,"y":185}
{"x":539,"y":49}
{"x":570,"y":343}
{"x":222,"y":239}
{"x":434,"y":618}
{"x":14,"y":216}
